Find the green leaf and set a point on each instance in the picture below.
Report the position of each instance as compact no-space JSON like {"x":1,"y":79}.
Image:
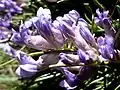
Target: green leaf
{"x":118,"y":9}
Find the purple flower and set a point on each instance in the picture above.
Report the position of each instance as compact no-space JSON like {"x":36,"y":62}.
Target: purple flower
{"x":83,"y":56}
{"x":5,"y":19}
{"x":28,"y":66}
{"x":12,"y":6}
{"x":85,"y":32}
{"x":24,"y":31}
{"x":23,"y":58}
{"x":5,"y":34}
{"x":106,"y":51}
{"x":38,"y":42}
{"x":104,"y":21}
{"x":109,"y":30}
{"x":78,"y":40}
{"x":69,"y":59}
{"x":8,"y":49}
{"x":70,"y":81}
{"x":2,"y":6}
{"x":48,"y":32}
{"x":59,"y":39}
{"x":27,"y":24}
{"x":16,"y":38}
{"x":20,"y":37}
{"x":43,"y":23}
{"x":27,"y":70}
{"x":65,"y":26}
{"x":64,"y":59}
{"x":101,"y":16}
{"x":106,"y":47}
{"x":44,"y":28}
{"x":74,"y":15}
{"x":8,"y":7}
{"x":44,"y":13}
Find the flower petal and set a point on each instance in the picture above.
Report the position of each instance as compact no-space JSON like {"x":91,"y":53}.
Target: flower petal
{"x":25,"y":59}
{"x":27,"y":70}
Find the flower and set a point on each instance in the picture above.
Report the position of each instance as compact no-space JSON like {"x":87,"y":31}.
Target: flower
{"x":46,"y":28}
{"x":43,"y":27}
{"x":8,"y":49}
{"x":27,"y":70}
{"x":85,"y":32}
{"x":5,"y":20}
{"x":23,"y":58}
{"x":83,"y":56}
{"x":5,"y":34}
{"x":78,"y":40}
{"x":44,"y":13}
{"x":16,"y":38}
{"x":20,"y":36}
{"x":2,"y":6}
{"x":73,"y":15}
{"x":69,"y":59}
{"x":38,"y":42}
{"x":65,"y":26}
{"x":43,"y":23}
{"x":8,"y":8}
{"x":28,"y":66}
{"x":109,"y":30}
{"x":11,"y":6}
{"x":70,"y":81}
{"x":106,"y":47}
{"x":106,"y":44}
{"x":101,"y":16}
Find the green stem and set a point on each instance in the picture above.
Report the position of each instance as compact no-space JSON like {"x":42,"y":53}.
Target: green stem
{"x":99,"y":4}
{"x":88,"y":19}
{"x":36,"y":53}
{"x":64,"y":65}
{"x":12,"y":60}
{"x":8,"y":62}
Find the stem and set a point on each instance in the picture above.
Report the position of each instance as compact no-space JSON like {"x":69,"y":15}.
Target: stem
{"x":8,"y":62}
{"x":99,"y":4}
{"x":12,"y":60}
{"x":64,"y":65}
{"x":23,"y":47}
{"x":36,"y":53}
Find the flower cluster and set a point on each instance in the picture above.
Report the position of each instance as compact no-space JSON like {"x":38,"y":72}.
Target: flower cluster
{"x":42,"y":33}
{"x":8,"y":8}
